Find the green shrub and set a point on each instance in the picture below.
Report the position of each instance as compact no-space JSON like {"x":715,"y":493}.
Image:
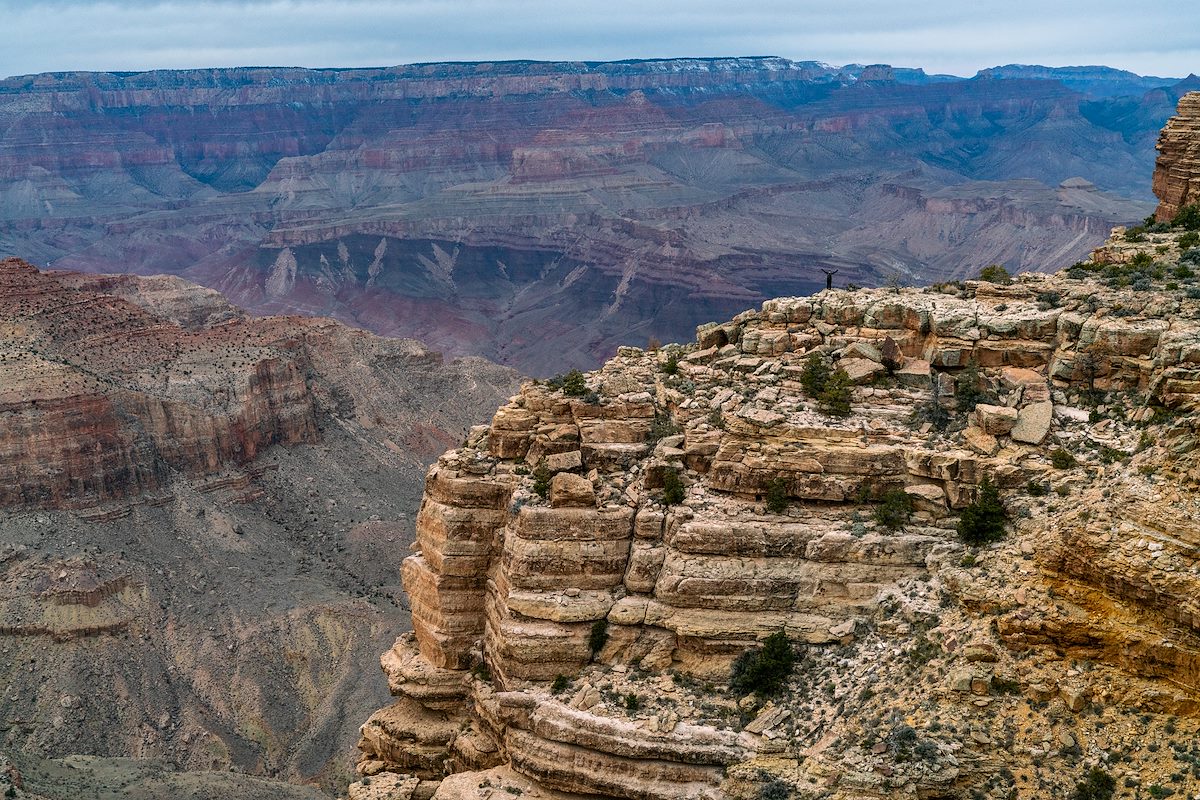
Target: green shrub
{"x":1136,"y":234}
{"x":671,"y":365}
{"x":775,"y":789}
{"x":672,"y":487}
{"x":573,"y":384}
{"x":995,"y":274}
{"x":815,"y":374}
{"x":777,"y":495}
{"x":1051,"y":299}
{"x":1188,"y":217}
{"x":561,"y":682}
{"x":662,"y":427}
{"x":894,"y":509}
{"x":1097,"y":786}
{"x":541,"y":479}
{"x":834,"y":399}
{"x":934,"y":413}
{"x":632,"y":702}
{"x":1061,"y":459}
{"x":598,"y":636}
{"x":983,"y":520}
{"x":1037,"y":489}
{"x":763,"y":671}
{"x":1189,"y":240}
{"x":968,"y":388}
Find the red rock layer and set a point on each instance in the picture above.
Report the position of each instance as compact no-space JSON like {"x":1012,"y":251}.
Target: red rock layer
{"x":100,"y":399}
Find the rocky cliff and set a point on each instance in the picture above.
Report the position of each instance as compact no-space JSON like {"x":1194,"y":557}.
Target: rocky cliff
{"x":590,"y":565}
{"x":1177,"y":172}
{"x":200,"y":516}
{"x":477,"y":206}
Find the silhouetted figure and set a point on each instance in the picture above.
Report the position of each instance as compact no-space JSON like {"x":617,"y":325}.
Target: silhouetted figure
{"x":829,"y":277}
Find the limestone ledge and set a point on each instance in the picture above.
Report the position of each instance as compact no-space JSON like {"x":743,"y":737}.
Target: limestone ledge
{"x":506,"y":584}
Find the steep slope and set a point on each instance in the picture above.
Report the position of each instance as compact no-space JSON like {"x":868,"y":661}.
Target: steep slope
{"x":479,"y":206}
{"x":201,"y":519}
{"x":591,"y":564}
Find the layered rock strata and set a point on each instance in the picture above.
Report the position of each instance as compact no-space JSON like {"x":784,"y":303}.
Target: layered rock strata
{"x":477,"y":206}
{"x":553,"y":581}
{"x":1177,"y":171}
{"x":200,"y":516}
{"x":109,"y":384}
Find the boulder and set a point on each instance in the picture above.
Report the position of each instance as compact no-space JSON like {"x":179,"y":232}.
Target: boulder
{"x":565,"y":462}
{"x":862,"y":370}
{"x":981,"y":442}
{"x":915,"y":374}
{"x":891,"y":355}
{"x":995,"y":420}
{"x":1033,"y":423}
{"x":863,"y":350}
{"x":568,"y":490}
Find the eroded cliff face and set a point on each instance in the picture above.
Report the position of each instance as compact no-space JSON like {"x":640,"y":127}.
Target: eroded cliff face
{"x":202,"y":516}
{"x":929,"y":668}
{"x":1177,"y":172}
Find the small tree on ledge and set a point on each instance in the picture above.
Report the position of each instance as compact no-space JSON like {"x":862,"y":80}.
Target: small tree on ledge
{"x":995,"y":274}
{"x":573,"y":384}
{"x":815,"y":375}
{"x":834,"y":399}
{"x":982,"y":522}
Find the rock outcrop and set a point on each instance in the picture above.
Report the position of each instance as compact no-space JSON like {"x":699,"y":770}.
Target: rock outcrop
{"x":1177,"y":172}
{"x":589,"y":567}
{"x":202,"y":517}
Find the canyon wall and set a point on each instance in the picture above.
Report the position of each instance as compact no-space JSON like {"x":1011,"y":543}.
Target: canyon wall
{"x":202,"y":518}
{"x":590,"y":565}
{"x":541,"y":214}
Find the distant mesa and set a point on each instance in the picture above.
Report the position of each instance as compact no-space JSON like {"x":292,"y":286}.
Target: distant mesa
{"x":877,"y":73}
{"x":1078,"y":184}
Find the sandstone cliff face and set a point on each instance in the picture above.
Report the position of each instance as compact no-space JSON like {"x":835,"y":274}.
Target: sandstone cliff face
{"x":202,"y":516}
{"x":1177,"y":172}
{"x":477,"y":206}
{"x":913,"y":643}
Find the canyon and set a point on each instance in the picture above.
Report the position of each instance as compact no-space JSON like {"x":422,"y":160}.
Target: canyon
{"x":202,"y":519}
{"x":592,"y":568}
{"x":541,"y":214}
{"x":212,"y":522}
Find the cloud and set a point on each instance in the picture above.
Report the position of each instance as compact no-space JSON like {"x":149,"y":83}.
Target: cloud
{"x":940,"y":35}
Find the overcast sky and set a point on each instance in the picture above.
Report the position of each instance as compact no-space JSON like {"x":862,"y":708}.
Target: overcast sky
{"x":954,"y":36}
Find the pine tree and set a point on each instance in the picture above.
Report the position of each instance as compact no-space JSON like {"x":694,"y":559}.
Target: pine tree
{"x":541,"y":479}
{"x":672,"y":487}
{"x":835,"y":398}
{"x":983,"y":520}
{"x":764,"y":671}
{"x":815,"y":375}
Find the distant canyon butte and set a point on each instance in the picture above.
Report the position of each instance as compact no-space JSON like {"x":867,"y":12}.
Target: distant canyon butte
{"x":540,"y":214}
